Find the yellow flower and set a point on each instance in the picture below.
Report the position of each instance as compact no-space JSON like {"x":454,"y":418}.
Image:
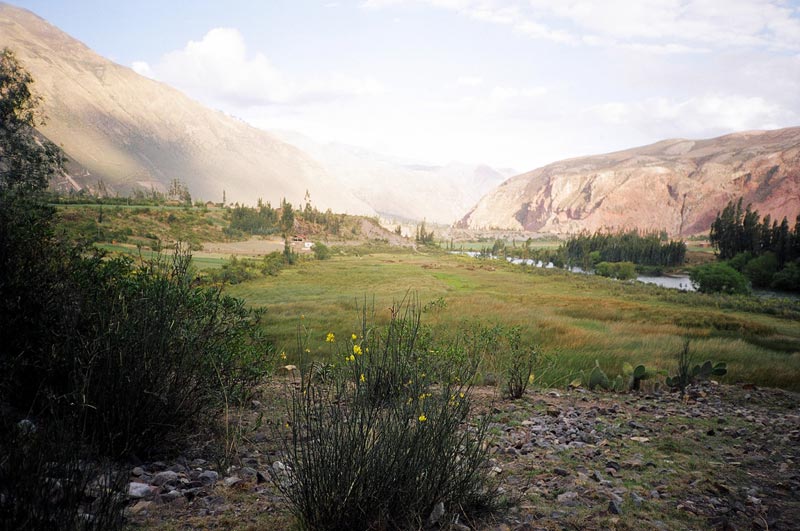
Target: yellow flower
{"x":357,"y":349}
{"x":354,"y":337}
{"x":362,"y":378}
{"x":423,"y":418}
{"x":461,"y":395}
{"x":283,"y":355}
{"x":422,"y":396}
{"x":330,"y":338}
{"x":350,"y":358}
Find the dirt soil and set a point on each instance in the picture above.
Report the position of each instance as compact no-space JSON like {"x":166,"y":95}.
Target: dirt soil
{"x":724,"y":457}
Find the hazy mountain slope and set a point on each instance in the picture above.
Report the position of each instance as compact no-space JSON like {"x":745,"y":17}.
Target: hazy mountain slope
{"x":398,"y":188}
{"x":129,"y":130}
{"x":677,"y":185}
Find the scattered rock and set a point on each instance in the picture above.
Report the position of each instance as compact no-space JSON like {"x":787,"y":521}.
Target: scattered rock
{"x":163,"y":478}
{"x":614,"y":507}
{"x":209,"y":477}
{"x":231,"y":481}
{"x":138,"y":490}
{"x":436,"y":514}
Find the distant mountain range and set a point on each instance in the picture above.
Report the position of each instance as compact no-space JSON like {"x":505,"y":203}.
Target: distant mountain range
{"x":402,"y":189}
{"x":674,"y":185}
{"x":130,"y":131}
{"x":133,"y":132}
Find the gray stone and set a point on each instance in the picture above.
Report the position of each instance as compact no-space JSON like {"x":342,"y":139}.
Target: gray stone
{"x":231,"y":481}
{"x":248,"y":473}
{"x":436,"y":514}
{"x":279,"y":468}
{"x":614,"y":507}
{"x":163,"y":478}
{"x":138,"y":490}
{"x":171,"y":496}
{"x":568,"y":498}
{"x":209,"y":477}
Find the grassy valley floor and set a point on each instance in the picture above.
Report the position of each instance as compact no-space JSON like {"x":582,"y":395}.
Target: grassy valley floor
{"x":575,"y":319}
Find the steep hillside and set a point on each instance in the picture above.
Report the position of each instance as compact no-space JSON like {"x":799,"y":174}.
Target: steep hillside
{"x":677,"y":185}
{"x":131,"y":131}
{"x":397,"y":188}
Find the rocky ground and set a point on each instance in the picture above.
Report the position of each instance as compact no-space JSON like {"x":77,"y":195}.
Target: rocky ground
{"x":724,"y":457}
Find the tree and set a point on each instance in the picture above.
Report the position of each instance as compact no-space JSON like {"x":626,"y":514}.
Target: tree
{"x":27,"y":160}
{"x":287,"y":217}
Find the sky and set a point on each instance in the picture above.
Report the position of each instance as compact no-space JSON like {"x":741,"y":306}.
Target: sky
{"x":511,"y":83}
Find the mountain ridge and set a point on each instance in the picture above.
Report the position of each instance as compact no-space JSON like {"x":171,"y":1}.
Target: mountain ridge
{"x":677,"y":185}
{"x":134,"y":132}
{"x":401,"y":189}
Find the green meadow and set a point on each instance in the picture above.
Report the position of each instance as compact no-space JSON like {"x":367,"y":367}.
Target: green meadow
{"x":575,"y":319}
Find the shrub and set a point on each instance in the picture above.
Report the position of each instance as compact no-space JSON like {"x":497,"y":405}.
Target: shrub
{"x":514,"y":358}
{"x":788,"y":278}
{"x":50,"y":480}
{"x":760,"y":270}
{"x":379,"y":445}
{"x":321,"y":251}
{"x":618,"y":270}
{"x":718,"y":277}
{"x":739,"y":261}
{"x":151,"y":356}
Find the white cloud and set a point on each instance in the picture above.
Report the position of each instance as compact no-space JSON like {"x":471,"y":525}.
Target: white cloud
{"x":469,"y":81}
{"x":700,"y":116}
{"x":661,"y":26}
{"x":142,"y":68}
{"x":219,"y":68}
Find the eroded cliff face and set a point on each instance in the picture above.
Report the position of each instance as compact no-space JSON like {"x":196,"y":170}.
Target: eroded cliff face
{"x":674,"y":185}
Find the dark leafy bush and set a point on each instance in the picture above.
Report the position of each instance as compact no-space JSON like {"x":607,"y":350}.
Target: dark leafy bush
{"x":154,"y":356}
{"x":386,"y":438}
{"x":740,"y":260}
{"x":618,"y":270}
{"x":718,"y":278}
{"x":788,"y":278}
{"x":50,"y":480}
{"x":760,"y":270}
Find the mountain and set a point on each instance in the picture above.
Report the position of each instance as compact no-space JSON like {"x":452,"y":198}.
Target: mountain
{"x":400,"y":189}
{"x":130,"y":131}
{"x":676,"y":185}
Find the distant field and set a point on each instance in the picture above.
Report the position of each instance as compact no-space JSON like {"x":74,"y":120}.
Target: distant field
{"x":576,"y":319}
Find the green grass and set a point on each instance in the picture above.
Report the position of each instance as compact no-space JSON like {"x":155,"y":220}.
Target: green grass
{"x":576,"y":319}
{"x":142,"y":225}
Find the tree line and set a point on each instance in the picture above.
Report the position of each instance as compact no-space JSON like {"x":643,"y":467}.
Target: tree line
{"x":736,"y":230}
{"x":648,"y":248}
{"x":761,"y":252}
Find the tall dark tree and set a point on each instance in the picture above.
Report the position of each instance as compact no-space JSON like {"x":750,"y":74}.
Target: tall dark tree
{"x":27,"y":160}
